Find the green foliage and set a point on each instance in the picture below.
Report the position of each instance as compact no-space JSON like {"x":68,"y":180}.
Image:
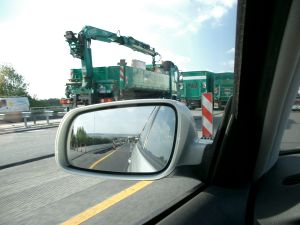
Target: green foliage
{"x":35,"y":102}
{"x":81,"y":135}
{"x":12,"y":83}
{"x":81,"y":138}
{"x":100,"y":140}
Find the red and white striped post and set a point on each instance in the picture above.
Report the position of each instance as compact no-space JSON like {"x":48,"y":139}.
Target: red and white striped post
{"x":207,"y":116}
{"x":122,"y":74}
{"x":122,"y":79}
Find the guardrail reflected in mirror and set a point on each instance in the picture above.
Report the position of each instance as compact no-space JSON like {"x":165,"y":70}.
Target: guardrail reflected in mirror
{"x":136,"y":139}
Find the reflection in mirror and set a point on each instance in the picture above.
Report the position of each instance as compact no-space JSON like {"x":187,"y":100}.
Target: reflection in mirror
{"x":131,"y":139}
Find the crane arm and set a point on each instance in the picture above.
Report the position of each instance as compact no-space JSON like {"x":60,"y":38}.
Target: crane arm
{"x":89,"y":33}
{"x":80,"y":48}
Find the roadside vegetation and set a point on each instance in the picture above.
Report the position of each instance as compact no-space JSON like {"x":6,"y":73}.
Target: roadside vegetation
{"x":14,"y":84}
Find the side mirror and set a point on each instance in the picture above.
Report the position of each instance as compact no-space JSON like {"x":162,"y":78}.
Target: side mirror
{"x":135,"y":139}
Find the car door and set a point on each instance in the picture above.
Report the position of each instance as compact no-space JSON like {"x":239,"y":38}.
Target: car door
{"x":244,"y":178}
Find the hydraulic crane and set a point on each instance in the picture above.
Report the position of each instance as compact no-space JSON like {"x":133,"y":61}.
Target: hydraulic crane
{"x":80,"y":47}
{"x":157,"y":82}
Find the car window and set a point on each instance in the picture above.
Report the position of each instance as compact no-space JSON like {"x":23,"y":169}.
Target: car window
{"x":159,"y":142}
{"x":41,"y":61}
{"x":145,"y":131}
{"x":291,"y":134}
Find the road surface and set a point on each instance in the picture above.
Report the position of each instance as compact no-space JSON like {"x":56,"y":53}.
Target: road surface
{"x":39,"y":192}
{"x":109,"y":160}
{"x":17,"y":147}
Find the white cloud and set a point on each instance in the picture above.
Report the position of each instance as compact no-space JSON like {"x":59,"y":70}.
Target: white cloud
{"x":207,"y":11}
{"x":228,"y":3}
{"x":228,"y":65}
{"x":202,"y":18}
{"x":218,"y":12}
{"x":181,"y":61}
{"x":230,"y":51}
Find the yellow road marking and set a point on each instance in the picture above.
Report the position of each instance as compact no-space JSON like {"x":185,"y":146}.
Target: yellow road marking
{"x":98,"y":161}
{"x":89,"y":213}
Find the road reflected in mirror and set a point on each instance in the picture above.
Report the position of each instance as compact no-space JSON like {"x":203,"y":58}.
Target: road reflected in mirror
{"x":127,"y":140}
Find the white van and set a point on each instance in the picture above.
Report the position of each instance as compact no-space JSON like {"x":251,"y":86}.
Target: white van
{"x":14,"y":104}
{"x":12,"y":108}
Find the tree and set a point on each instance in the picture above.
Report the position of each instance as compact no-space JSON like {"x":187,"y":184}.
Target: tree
{"x":81,"y":136}
{"x":12,"y":83}
{"x":35,"y":102}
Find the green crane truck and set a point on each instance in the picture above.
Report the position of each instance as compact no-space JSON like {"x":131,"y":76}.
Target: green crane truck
{"x":91,"y":85}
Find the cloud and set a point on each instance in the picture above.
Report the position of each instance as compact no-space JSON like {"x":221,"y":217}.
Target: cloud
{"x":225,"y":3}
{"x":228,"y":3}
{"x":218,"y":12}
{"x":181,"y":61}
{"x":228,"y":65}
{"x":207,"y":11}
{"x":230,"y":51}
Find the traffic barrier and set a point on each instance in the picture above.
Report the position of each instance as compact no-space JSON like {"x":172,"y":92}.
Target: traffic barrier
{"x":25,"y":116}
{"x":207,"y":115}
{"x":44,"y":114}
{"x":34,"y":115}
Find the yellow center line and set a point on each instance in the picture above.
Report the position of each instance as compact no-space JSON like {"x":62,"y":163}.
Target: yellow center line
{"x":99,"y":160}
{"x":89,"y":213}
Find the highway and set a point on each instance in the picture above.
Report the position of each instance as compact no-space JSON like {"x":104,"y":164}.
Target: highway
{"x":39,"y":192}
{"x":17,"y":147}
{"x":291,"y":137}
{"x":108,"y":160}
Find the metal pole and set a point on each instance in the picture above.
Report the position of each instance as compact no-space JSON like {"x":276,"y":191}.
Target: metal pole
{"x":25,"y":122}
{"x":170,"y":84}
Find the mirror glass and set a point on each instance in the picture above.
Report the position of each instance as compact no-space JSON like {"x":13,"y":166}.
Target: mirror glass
{"x":135,"y":139}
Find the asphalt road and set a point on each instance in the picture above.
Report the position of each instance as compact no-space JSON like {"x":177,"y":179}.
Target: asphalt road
{"x":108,"y":160}
{"x":291,"y":136}
{"x":39,"y":192}
{"x":16,"y":147}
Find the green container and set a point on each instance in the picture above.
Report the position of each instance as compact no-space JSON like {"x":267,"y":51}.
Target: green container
{"x":100,"y":73}
{"x":223,"y":87}
{"x":76,"y":75}
{"x":106,"y":80}
{"x":195,"y":83}
{"x":139,"y":79}
{"x":114,"y":73}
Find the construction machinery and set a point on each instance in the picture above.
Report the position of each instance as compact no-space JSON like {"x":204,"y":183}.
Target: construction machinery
{"x":90,"y":85}
{"x":195,"y":83}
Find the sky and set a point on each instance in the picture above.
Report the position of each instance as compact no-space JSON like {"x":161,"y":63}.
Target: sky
{"x":112,"y":121}
{"x":194,"y":34}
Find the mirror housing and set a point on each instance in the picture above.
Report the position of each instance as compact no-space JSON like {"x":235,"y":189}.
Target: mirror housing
{"x":186,"y":150}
